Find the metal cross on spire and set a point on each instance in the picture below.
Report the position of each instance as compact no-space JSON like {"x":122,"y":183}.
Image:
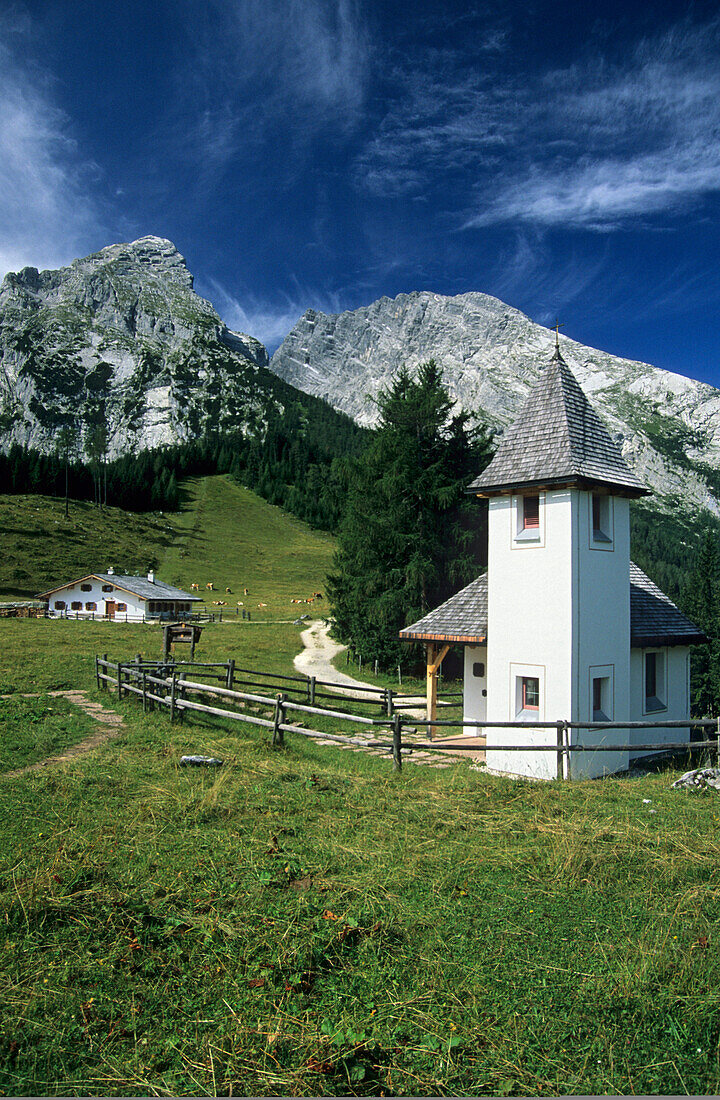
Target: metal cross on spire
{"x":558,"y":326}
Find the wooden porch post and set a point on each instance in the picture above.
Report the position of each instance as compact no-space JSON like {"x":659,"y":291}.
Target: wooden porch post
{"x":435,"y":657}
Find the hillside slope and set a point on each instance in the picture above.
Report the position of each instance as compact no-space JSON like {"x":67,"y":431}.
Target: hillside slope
{"x":668,"y":425}
{"x":223,"y":533}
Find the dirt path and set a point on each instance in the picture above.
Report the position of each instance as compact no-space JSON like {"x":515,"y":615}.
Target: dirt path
{"x":316,"y":660}
{"x":110,"y":725}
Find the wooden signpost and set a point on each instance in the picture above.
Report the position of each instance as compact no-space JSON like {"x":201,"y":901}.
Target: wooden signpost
{"x":180,"y":632}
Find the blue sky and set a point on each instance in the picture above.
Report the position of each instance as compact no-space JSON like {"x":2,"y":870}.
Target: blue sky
{"x":326,"y":152}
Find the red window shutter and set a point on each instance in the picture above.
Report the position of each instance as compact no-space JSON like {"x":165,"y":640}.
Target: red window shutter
{"x":531,"y":511}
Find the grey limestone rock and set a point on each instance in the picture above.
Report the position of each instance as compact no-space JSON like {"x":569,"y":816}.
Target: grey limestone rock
{"x":120,"y":339}
{"x":668,"y":425}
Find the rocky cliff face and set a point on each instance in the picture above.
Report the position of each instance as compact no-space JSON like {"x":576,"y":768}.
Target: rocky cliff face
{"x":119,"y":342}
{"x":668,"y":426}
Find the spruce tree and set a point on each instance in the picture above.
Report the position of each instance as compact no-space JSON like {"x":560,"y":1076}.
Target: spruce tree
{"x":410,"y":536}
{"x":702,"y":603}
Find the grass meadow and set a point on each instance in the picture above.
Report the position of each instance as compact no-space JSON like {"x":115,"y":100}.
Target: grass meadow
{"x":303,"y":921}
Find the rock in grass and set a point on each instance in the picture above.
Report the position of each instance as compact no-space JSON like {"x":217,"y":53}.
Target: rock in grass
{"x":699,"y":779}
{"x":199,"y":762}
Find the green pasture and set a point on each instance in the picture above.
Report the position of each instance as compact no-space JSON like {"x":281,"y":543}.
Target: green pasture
{"x":40,"y":547}
{"x":303,"y":921}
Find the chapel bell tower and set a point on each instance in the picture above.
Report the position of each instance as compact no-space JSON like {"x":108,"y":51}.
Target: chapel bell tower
{"x":558,"y":563}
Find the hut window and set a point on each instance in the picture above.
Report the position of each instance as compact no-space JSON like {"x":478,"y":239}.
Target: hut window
{"x":478,"y":668}
{"x":107,"y":588}
{"x":59,"y":605}
{"x":122,"y":607}
{"x":76,"y":605}
{"x":86,"y":588}
{"x":90,"y":606}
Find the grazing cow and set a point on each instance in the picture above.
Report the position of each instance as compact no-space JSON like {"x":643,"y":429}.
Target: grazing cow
{"x":210,"y":586}
{"x":194,"y":587}
{"x":246,"y":591}
{"x":240,"y":603}
{"x":228,"y":589}
{"x":262,"y":605}
{"x":318,"y":595}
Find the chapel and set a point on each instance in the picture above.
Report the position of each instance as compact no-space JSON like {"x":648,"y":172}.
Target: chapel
{"x":563,"y":625}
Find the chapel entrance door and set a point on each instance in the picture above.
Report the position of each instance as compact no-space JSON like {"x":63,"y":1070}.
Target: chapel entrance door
{"x":110,"y":606}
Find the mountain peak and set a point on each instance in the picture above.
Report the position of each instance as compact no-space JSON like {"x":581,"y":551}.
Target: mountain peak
{"x":491,"y":355}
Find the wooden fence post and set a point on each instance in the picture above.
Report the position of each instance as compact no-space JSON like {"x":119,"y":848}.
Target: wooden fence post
{"x":560,"y":751}
{"x":389,"y":696}
{"x":144,"y":691}
{"x":119,"y":674}
{"x":312,"y":691}
{"x":106,"y":685}
{"x":173,"y":688}
{"x":97,"y":671}
{"x":397,"y":743}
{"x":278,"y":737}
{"x":230,"y":674}
{"x":718,"y":745}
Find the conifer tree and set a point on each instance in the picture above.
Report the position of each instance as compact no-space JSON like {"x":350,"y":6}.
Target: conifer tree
{"x":702,"y":603}
{"x":410,"y":536}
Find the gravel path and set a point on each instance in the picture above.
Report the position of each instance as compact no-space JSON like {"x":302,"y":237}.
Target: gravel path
{"x":316,"y":660}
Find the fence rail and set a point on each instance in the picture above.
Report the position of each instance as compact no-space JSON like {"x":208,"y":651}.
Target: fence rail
{"x":159,"y":683}
{"x":309,"y":688}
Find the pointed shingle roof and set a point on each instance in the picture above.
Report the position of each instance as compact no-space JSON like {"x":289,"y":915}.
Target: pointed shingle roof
{"x":654,"y":618}
{"x":557,"y":439}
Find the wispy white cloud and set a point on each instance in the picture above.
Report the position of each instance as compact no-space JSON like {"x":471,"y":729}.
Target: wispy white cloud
{"x":591,"y":146}
{"x":303,"y":64}
{"x":269,"y":322}
{"x":46,"y":215}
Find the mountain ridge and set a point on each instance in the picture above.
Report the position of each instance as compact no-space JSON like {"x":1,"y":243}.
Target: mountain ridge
{"x":119,"y":341}
{"x":668,"y":426}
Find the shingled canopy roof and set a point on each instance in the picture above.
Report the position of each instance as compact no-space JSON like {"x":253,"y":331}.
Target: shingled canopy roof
{"x":557,"y":439}
{"x":654,"y":619}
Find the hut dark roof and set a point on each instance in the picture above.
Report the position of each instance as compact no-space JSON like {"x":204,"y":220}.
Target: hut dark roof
{"x":654,"y":619}
{"x":557,"y":439}
{"x":139,"y":586}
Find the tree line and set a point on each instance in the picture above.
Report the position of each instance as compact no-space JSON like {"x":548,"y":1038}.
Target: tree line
{"x":297,"y":461}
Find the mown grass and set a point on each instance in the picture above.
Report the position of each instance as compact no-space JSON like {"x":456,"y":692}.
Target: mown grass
{"x":304,"y":922}
{"x":227,"y":535}
{"x":33,"y":729}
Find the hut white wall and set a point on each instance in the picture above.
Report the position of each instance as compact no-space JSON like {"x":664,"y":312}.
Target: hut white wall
{"x":601,"y":629}
{"x":135,"y":607}
{"x":530,"y":627}
{"x":474,"y":688}
{"x":676,"y":660}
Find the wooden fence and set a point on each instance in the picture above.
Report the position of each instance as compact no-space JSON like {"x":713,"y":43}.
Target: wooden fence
{"x":166,"y":686}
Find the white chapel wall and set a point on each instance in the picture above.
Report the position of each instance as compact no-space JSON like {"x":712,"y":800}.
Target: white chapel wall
{"x":676,"y":661}
{"x":601,"y":630}
{"x":530,"y":627}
